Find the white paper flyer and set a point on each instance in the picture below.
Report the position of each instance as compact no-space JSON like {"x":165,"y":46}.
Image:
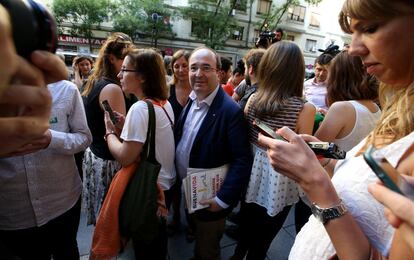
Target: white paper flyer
{"x":202,"y":184}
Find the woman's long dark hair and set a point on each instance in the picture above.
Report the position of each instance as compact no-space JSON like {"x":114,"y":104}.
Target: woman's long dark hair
{"x":348,"y":80}
{"x":280,"y":76}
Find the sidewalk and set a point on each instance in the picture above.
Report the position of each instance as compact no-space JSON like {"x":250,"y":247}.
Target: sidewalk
{"x":180,"y":249}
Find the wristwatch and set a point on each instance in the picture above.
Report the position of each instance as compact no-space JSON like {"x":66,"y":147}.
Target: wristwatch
{"x":326,"y":214}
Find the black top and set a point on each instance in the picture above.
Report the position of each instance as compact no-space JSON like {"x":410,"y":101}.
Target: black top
{"x":95,"y":118}
{"x":244,"y":92}
{"x":176,"y":106}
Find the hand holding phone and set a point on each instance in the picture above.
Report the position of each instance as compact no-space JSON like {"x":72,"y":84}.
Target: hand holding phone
{"x":266,"y":130}
{"x":323,"y":149}
{"x":386,"y":173}
{"x":107,"y":107}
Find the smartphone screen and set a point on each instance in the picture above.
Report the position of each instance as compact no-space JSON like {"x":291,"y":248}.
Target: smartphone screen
{"x":389,"y":176}
{"x":107,"y":107}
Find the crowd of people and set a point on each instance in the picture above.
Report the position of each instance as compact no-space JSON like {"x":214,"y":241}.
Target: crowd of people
{"x":61,"y":149}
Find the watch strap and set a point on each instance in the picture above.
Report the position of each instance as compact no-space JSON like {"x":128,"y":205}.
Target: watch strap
{"x":327,"y":214}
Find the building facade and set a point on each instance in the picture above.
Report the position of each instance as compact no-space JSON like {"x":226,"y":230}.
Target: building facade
{"x":311,"y":27}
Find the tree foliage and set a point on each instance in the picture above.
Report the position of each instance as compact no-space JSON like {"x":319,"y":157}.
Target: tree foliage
{"x":212,"y":21}
{"x":83,"y":15}
{"x":134,"y":17}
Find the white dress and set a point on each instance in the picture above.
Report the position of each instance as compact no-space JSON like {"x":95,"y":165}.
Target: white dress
{"x":268,"y":188}
{"x":351,"y":180}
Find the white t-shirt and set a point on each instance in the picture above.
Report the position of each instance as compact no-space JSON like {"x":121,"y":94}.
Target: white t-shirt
{"x":136,"y":127}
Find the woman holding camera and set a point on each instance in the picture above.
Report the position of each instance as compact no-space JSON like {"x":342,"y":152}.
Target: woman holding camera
{"x":382,"y":36}
{"x":278,"y":102}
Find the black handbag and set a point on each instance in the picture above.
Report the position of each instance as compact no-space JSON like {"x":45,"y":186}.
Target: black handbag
{"x":138,"y":209}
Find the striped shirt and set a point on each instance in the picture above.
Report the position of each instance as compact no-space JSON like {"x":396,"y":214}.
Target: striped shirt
{"x":286,"y":116}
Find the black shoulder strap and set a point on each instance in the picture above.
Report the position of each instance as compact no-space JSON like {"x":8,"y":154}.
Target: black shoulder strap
{"x":148,"y":151}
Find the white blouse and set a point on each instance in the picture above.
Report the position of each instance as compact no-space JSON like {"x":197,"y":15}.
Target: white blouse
{"x":351,"y":180}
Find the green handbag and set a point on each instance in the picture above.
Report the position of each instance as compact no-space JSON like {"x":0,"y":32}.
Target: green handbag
{"x":138,"y":209}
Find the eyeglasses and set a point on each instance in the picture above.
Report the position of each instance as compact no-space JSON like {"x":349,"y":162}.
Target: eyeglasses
{"x":204,"y":68}
{"x":127,"y":70}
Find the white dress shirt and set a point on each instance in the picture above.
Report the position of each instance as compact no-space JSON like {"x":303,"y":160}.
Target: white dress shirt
{"x":38,"y":187}
{"x":315,"y":93}
{"x":194,"y":120}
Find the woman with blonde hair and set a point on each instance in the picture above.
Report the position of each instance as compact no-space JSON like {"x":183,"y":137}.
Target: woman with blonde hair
{"x":180,"y":87}
{"x":99,"y":166}
{"x":347,"y":221}
{"x":278,"y":102}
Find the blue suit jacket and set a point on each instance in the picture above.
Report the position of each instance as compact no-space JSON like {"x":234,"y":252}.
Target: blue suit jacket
{"x":222,"y":139}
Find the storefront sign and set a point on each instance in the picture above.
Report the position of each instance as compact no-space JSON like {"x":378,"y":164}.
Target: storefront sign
{"x":80,"y":40}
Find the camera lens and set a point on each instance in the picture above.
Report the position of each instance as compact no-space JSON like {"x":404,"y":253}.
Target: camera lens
{"x":34,"y":28}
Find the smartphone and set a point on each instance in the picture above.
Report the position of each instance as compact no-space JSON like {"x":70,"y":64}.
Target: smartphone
{"x":266,"y":130}
{"x":386,"y":173}
{"x":322,"y":149}
{"x":107,"y":107}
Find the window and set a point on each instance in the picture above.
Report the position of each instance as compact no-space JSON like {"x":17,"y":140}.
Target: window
{"x":297,"y":13}
{"x":263,"y":6}
{"x":310,"y":45}
{"x":290,"y":37}
{"x":315,"y":20}
{"x":256,"y":35}
{"x":198,"y":29}
{"x":241,"y":5}
{"x":238,"y":33}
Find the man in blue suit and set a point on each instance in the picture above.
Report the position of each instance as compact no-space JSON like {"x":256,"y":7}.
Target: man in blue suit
{"x":210,"y":133}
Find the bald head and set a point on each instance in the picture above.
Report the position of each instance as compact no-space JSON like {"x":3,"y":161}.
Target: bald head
{"x":204,"y":63}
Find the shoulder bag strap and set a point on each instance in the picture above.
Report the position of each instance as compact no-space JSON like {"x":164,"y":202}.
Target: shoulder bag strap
{"x":161,"y":105}
{"x":149,"y":147}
